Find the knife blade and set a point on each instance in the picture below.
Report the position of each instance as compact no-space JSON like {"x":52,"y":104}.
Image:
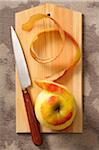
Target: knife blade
{"x":25,"y":82}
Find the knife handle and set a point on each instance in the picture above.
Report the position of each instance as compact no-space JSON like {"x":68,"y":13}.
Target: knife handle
{"x":33,"y":123}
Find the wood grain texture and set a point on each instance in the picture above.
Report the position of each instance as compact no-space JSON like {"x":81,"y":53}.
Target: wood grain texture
{"x":71,"y":22}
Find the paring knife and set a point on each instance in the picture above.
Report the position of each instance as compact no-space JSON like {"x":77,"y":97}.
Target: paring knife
{"x":25,"y":82}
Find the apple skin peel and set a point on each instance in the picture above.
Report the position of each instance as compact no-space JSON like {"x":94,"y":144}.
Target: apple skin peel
{"x":30,"y":24}
{"x":55,"y":106}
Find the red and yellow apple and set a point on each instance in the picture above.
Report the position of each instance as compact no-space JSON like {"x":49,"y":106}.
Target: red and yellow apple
{"x":55,"y":106}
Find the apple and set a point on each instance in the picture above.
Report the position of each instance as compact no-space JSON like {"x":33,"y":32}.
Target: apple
{"x":55,"y":106}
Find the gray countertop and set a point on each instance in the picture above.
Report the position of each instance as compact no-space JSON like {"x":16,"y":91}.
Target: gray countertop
{"x":9,"y":140}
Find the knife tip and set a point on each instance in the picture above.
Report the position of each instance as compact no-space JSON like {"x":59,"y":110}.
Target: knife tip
{"x":12,"y":28}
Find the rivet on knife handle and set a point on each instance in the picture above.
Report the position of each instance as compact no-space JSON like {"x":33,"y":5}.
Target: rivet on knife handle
{"x":33,"y":123}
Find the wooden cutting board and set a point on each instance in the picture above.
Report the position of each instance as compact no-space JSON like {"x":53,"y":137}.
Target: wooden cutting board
{"x":70,"y":21}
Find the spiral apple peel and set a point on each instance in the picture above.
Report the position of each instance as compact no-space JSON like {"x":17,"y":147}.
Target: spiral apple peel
{"x":28,"y":26}
{"x":55,"y":106}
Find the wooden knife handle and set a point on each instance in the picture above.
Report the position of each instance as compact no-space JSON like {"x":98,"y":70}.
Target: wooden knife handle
{"x":33,"y":123}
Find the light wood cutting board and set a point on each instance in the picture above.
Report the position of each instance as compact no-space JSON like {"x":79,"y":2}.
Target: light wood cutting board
{"x":70,"y":21}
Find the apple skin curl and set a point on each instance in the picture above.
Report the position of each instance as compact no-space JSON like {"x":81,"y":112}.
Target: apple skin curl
{"x":55,"y":106}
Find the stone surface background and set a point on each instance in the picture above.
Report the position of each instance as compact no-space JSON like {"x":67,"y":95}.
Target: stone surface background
{"x":9,"y":140}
